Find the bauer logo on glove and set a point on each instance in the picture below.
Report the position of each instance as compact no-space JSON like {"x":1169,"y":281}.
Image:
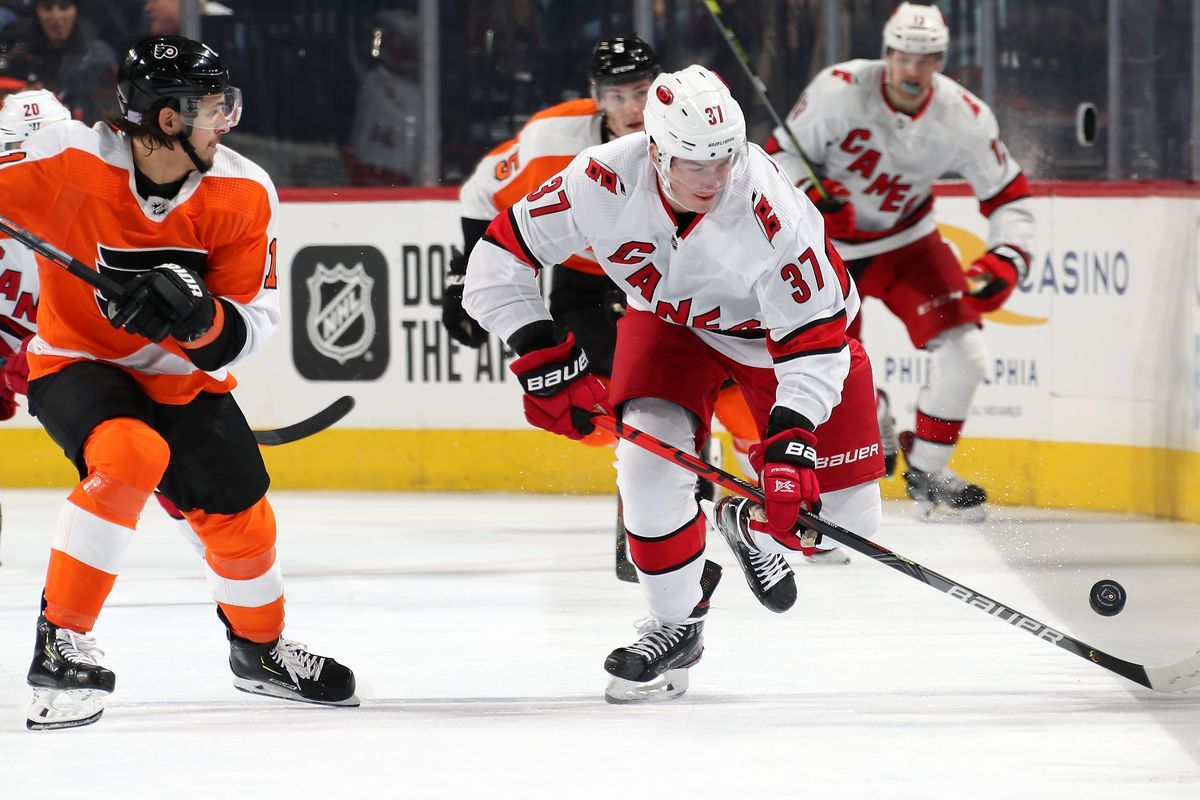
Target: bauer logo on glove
{"x":554,"y":377}
{"x":801,"y":450}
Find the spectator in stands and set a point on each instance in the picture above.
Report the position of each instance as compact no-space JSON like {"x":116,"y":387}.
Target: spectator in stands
{"x":165,"y":17}
{"x":60,"y":46}
{"x":387,"y":138}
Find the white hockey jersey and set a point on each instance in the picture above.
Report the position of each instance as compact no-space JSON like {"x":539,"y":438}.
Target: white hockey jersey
{"x":755,"y":278}
{"x":18,"y":293}
{"x":889,"y":160}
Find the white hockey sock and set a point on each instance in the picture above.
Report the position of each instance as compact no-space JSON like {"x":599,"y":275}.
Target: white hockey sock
{"x":930,"y":457}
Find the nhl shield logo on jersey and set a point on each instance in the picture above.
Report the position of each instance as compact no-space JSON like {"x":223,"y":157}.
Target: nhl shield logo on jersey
{"x":341,"y":321}
{"x":340,"y":313}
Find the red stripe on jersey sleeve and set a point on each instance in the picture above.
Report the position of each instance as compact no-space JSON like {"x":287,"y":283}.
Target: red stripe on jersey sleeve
{"x":1017,"y":189}
{"x":504,"y":233}
{"x":670,"y":552}
{"x":820,"y":336}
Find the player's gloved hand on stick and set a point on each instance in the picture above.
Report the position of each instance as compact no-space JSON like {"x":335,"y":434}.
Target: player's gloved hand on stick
{"x":168,"y":299}
{"x":786,"y":463}
{"x":840,"y":218}
{"x":994,"y":275}
{"x":461,"y":327}
{"x":560,"y":393}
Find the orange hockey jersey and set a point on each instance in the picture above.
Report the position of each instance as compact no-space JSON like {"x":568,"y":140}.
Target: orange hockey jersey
{"x":547,"y":143}
{"x":74,"y":187}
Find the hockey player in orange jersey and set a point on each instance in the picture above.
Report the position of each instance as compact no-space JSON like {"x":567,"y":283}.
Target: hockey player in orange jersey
{"x":135,"y":388}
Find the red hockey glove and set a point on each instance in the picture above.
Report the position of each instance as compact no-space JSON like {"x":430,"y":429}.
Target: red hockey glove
{"x":14,"y":375}
{"x":560,"y":393}
{"x":994,"y":275}
{"x":786,"y":465}
{"x":840,"y":218}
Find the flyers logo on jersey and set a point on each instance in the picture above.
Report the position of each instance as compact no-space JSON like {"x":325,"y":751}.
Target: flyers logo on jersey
{"x":165,"y":51}
{"x":123,"y":264}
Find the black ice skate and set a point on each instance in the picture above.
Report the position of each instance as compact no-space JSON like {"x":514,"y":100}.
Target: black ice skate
{"x":942,"y":492}
{"x":887,"y":432}
{"x":767,"y":574}
{"x":655,"y":667}
{"x":69,"y":685}
{"x":284,"y":668}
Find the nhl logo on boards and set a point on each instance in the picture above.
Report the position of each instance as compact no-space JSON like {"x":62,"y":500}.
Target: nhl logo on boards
{"x":340,"y":320}
{"x":664,"y":95}
{"x":165,"y":51}
{"x":339,"y":313}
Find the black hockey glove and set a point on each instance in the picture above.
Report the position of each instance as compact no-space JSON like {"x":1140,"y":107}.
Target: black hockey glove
{"x":458,"y":323}
{"x":168,"y":299}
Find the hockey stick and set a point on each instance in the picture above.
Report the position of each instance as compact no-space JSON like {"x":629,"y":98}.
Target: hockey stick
{"x":714,"y":11}
{"x":307,"y":427}
{"x":108,"y":286}
{"x":1166,"y":678}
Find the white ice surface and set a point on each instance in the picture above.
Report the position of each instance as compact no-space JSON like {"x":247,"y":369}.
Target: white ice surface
{"x":477,"y":626}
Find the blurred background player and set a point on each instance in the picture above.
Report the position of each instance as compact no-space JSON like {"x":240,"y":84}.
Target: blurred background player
{"x":880,"y":132}
{"x":21,"y":114}
{"x":726,"y":272}
{"x":135,"y":388}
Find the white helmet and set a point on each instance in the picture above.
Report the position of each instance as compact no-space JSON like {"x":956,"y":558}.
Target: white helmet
{"x":916,"y":29}
{"x":25,"y":113}
{"x":691,"y":114}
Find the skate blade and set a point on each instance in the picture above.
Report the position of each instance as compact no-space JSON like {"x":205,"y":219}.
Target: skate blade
{"x":833,"y":557}
{"x":54,"y":709}
{"x":271,"y":690}
{"x":929,"y":512}
{"x":671,"y":684}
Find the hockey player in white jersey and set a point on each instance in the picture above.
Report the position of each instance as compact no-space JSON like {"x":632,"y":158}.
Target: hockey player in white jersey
{"x":727,"y":272}
{"x":880,"y":132}
{"x":21,"y":115}
{"x":580,"y":296}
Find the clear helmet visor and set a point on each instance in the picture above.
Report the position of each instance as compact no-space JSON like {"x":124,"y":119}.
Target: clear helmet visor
{"x":212,"y":112}
{"x":686,"y":182}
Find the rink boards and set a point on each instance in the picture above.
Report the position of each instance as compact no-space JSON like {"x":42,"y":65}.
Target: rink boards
{"x":1092,"y":398}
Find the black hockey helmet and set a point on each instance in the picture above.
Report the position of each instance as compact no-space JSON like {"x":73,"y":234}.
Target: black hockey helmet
{"x":623,"y":59}
{"x":173,"y":68}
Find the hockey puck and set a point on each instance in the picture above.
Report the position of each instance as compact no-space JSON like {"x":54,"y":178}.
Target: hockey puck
{"x":1107,"y":598}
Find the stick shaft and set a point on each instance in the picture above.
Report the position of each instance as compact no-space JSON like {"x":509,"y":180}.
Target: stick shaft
{"x":108,"y":286}
{"x":714,"y":11}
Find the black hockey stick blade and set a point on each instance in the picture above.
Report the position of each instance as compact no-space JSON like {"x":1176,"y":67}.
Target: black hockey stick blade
{"x":307,"y":427}
{"x":108,"y":286}
{"x":1174,"y":677}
